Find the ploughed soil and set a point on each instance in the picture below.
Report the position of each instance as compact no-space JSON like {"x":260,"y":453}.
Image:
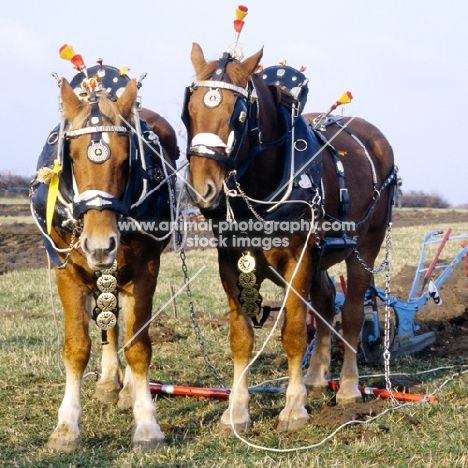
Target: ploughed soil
{"x":21,"y":246}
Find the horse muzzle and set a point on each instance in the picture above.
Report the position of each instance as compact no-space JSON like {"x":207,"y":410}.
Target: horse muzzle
{"x":100,"y":237}
{"x":100,"y":245}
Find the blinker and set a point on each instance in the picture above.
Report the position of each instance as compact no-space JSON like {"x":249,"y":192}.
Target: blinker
{"x":239,"y":115}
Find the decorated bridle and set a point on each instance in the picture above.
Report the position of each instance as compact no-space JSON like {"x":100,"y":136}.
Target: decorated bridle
{"x":207,"y":144}
{"x":98,"y":152}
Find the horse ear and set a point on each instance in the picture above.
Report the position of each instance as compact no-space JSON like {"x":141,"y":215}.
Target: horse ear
{"x":197,"y":57}
{"x":71,"y":102}
{"x":250,"y":64}
{"x":127,"y":98}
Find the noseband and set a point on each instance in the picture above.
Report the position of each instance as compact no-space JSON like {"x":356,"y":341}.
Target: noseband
{"x":98,"y":152}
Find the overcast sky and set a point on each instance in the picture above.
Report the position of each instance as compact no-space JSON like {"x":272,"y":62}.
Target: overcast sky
{"x":405,"y":62}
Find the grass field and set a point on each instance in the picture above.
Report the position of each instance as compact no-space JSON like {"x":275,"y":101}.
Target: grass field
{"x":32,"y":385}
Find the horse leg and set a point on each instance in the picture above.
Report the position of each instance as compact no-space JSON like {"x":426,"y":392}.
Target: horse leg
{"x":323,"y":300}
{"x":76,"y":351}
{"x":352,"y":316}
{"x":236,"y":417}
{"x":147,"y":434}
{"x":294,"y":415}
{"x":109,"y":384}
{"x":241,"y":338}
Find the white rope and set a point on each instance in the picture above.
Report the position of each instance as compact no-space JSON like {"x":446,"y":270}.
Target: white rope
{"x":44,"y":233}
{"x":348,"y":423}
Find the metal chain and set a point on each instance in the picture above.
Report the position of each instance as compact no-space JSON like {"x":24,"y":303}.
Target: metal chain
{"x":193,"y":316}
{"x":385,"y":261}
{"x":387,"y":344}
{"x":385,"y":264}
{"x":246,"y":200}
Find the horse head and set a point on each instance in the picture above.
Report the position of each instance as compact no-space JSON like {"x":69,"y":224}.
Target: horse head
{"x":216,"y":116}
{"x":99,"y":152}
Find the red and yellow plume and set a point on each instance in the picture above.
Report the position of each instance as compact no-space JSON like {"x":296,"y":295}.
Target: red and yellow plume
{"x":241,"y":13}
{"x":67,"y":53}
{"x":345,"y":98}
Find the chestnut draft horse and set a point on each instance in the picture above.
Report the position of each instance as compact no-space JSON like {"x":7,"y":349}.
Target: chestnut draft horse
{"x":241,"y":140}
{"x":111,"y":169}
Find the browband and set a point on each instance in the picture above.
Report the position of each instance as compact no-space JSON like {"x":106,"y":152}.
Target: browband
{"x":221,"y":84}
{"x":96,"y":129}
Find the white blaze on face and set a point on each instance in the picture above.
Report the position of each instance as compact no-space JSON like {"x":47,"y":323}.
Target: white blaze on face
{"x":210,"y":140}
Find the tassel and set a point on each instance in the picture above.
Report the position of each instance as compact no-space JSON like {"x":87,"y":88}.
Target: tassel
{"x":44,"y":175}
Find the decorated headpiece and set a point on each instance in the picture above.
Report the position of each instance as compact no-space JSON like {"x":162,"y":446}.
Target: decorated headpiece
{"x":235,"y":48}
{"x":98,"y":77}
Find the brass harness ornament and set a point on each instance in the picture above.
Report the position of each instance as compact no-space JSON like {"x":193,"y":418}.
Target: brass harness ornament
{"x":106,"y":296}
{"x":249,"y":295}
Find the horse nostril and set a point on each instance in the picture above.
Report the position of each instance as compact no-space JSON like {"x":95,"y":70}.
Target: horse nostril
{"x":112,"y":244}
{"x":84,"y":244}
{"x":210,"y":191}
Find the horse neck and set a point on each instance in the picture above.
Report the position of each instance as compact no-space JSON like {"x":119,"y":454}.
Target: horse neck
{"x":265,"y":170}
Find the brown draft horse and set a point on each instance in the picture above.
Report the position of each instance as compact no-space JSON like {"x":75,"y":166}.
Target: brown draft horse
{"x":215,"y":115}
{"x":104,"y":184}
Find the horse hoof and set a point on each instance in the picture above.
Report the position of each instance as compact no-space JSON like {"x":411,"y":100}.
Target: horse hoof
{"x":65,"y":438}
{"x":348,"y":399}
{"x":226,"y":430}
{"x":63,"y":445}
{"x":149,"y":445}
{"x":292,"y":425}
{"x":124,"y":402}
{"x":106,"y":394}
{"x":316,"y":392}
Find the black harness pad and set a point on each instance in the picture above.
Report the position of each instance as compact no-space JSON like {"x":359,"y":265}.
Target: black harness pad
{"x":291,"y":85}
